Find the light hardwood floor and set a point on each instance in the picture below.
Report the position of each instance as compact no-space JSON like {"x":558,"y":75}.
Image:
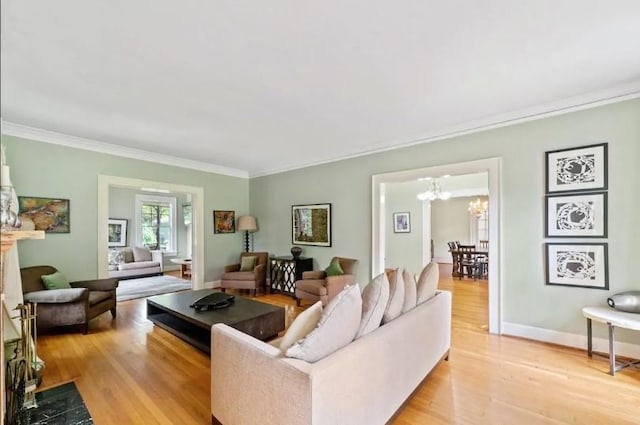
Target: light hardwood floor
{"x":130,"y":372}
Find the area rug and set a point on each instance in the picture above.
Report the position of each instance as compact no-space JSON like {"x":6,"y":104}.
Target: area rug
{"x":61,"y":405}
{"x":147,"y":286}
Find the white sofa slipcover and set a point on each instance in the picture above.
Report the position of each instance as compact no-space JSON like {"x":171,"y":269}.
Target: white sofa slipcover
{"x":365,"y":382}
{"x":136,"y":268}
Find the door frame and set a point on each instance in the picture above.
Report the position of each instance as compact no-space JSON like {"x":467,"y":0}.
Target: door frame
{"x":197,"y":202}
{"x":493,"y":167}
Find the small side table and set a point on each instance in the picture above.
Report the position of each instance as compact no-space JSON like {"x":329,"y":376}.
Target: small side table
{"x":613,"y":319}
{"x":185,"y":266}
{"x":286,"y":270}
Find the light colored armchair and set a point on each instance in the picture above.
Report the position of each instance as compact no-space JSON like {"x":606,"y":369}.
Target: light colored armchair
{"x":72,"y":306}
{"x":254,"y":279}
{"x":317,"y":286}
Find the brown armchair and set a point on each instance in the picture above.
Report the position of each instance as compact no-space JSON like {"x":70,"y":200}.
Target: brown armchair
{"x":316,"y":285}
{"x":77,"y":305}
{"x":257,"y":278}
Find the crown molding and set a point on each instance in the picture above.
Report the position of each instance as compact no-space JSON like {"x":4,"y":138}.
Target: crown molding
{"x":46,"y":136}
{"x":594,"y":99}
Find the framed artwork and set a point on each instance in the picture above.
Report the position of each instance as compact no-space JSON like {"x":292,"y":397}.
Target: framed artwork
{"x":576,"y":264}
{"x":311,"y":224}
{"x":224,"y":221}
{"x":576,"y":216}
{"x":49,"y":214}
{"x":117,"y":232}
{"x":577,"y":169}
{"x":401,"y":222}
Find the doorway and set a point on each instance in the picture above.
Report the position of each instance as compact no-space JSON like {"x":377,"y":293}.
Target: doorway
{"x":492,"y":167}
{"x":196,"y":195}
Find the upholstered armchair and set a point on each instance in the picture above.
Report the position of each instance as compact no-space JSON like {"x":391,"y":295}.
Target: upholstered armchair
{"x":255,"y":278}
{"x":316,"y":285}
{"x":77,"y":305}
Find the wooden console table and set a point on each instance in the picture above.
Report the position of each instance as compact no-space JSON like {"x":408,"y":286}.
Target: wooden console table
{"x":286,"y":270}
{"x":613,"y":319}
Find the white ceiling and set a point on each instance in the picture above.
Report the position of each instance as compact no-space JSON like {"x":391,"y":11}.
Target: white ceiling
{"x":269,"y":86}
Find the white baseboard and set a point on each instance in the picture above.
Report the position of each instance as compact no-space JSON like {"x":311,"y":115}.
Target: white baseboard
{"x":443,"y":260}
{"x":212,"y":284}
{"x":170,"y":268}
{"x":571,"y":340}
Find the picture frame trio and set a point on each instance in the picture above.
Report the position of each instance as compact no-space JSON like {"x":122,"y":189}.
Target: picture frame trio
{"x":576,"y":199}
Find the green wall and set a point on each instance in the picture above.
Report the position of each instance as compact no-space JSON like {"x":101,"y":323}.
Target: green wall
{"x":526,"y":299}
{"x":47,"y":170}
{"x":403,"y":249}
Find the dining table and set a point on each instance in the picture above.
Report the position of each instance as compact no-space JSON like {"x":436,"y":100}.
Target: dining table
{"x":473,"y":252}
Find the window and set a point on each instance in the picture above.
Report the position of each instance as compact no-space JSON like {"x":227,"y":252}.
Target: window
{"x":156,"y":222}
{"x":483,"y":226}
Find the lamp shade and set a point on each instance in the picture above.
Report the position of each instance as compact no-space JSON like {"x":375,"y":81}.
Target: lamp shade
{"x":248,"y":223}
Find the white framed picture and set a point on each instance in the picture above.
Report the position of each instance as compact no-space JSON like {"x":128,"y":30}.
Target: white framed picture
{"x":577,"y":169}
{"x":117,"y":232}
{"x":576,"y":216}
{"x":579,"y":265}
{"x":401,"y":222}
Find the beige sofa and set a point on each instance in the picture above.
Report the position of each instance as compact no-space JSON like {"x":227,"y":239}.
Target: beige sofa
{"x":365,"y":382}
{"x":128,"y":266}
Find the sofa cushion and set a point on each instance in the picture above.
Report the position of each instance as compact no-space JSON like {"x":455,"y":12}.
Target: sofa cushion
{"x":248,"y":264}
{"x":115,"y":257}
{"x":55,"y":280}
{"x":396,"y":297}
{"x":239,"y":276}
{"x":312,"y":286}
{"x":96,"y":297}
{"x":410,"y":291}
{"x":301,"y":326}
{"x":127,"y":254}
{"x":141,"y":253}
{"x":56,"y":296}
{"x":374,"y":301}
{"x":138,"y":265}
{"x":337,"y":327}
{"x":428,"y":282}
{"x":334,"y":268}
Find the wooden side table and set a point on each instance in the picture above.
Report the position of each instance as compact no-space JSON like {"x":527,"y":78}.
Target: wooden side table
{"x":185,"y":267}
{"x":613,"y":319}
{"x":286,"y":270}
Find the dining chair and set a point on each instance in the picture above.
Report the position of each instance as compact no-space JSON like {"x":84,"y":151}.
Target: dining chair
{"x":467,"y":259}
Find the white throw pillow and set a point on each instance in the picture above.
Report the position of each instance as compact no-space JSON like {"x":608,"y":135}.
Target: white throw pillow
{"x":396,"y":297}
{"x":115,"y":257}
{"x":338,"y":326}
{"x":141,"y":253}
{"x":301,"y":326}
{"x":410,"y":292}
{"x":428,"y":282}
{"x":374,"y":302}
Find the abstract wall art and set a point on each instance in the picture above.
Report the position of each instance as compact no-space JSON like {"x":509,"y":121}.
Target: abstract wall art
{"x":577,"y":169}
{"x":49,"y":214}
{"x":578,"y":265}
{"x":311,"y":224}
{"x":576,"y":216}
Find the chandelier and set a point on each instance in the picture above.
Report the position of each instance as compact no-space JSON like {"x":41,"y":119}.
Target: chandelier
{"x":478,"y":207}
{"x":434,"y":192}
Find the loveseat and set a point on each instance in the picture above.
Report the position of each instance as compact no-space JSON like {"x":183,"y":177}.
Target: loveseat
{"x":130,"y":262}
{"x":364,"y":382}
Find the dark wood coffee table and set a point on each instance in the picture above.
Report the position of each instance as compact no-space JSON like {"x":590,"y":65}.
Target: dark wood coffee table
{"x":172,"y":313}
